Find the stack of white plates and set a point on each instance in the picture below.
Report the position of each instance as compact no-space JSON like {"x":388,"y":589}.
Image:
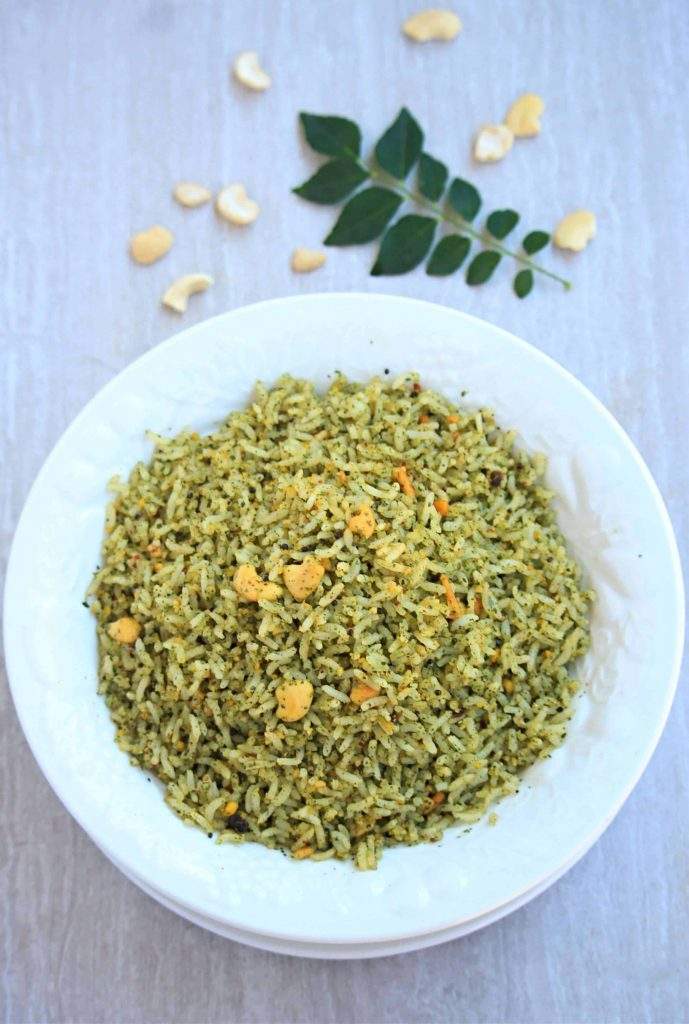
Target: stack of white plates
{"x":609,"y":509}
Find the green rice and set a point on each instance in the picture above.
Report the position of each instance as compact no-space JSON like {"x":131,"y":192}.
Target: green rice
{"x":461,"y":705}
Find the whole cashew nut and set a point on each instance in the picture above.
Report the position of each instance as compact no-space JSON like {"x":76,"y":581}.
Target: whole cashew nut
{"x":234,"y":205}
{"x":177,"y":295}
{"x":248,"y":71}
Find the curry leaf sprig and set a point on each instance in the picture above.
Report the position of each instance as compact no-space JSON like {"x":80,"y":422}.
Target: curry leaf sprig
{"x":443,"y":228}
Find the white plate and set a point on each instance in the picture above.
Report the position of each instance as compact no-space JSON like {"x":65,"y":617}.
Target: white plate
{"x":344,"y":951}
{"x":609,"y":507}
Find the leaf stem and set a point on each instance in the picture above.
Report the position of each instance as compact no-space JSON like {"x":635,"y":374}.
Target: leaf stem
{"x":461,"y":224}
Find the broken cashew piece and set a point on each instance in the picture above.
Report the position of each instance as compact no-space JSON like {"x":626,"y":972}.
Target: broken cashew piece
{"x":302,"y":580}
{"x":361,"y":692}
{"x":247,"y":70}
{"x":294,"y":699}
{"x":303,"y":852}
{"x":523,"y":117}
{"x":150,"y":245}
{"x":363,"y":523}
{"x":250,"y":587}
{"x":177,"y":295}
{"x":233,"y":204}
{"x":125,"y":630}
{"x":191,"y":194}
{"x":432,"y":802}
{"x":492,"y":143}
{"x":432,"y":24}
{"x":575,"y":230}
{"x":306,"y":260}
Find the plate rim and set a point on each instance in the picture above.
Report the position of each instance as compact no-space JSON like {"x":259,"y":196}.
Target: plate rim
{"x":12,"y":657}
{"x":336,"y":951}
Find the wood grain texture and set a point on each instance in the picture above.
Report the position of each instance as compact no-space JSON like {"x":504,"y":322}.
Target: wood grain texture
{"x":104,"y":106}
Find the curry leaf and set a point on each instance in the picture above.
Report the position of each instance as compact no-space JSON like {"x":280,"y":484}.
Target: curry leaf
{"x":482,"y":266}
{"x":523,"y":283}
{"x":464,"y":199}
{"x":500,"y":222}
{"x":535,"y":241}
{"x":333,"y":181}
{"x":448,"y":255}
{"x":432,"y":177}
{"x":332,"y":136}
{"x":368,"y":211}
{"x":365,"y":216}
{"x":405,"y":245}
{"x":399,"y":147}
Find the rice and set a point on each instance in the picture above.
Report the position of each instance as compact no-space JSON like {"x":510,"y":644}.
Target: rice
{"x":461,"y":613}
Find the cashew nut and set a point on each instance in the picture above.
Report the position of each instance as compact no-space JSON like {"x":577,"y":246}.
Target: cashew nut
{"x":432,"y":24}
{"x":434,"y":801}
{"x":125,"y":630}
{"x":523,"y":117}
{"x":150,"y":245}
{"x":575,"y":230}
{"x":249,"y":72}
{"x":234,"y":205}
{"x":303,"y":852}
{"x":177,"y":295}
{"x":251,"y":587}
{"x":492,"y":143}
{"x":294,"y":699}
{"x":302,"y":580}
{"x":305,"y":260}
{"x":189,"y":193}
{"x":361,"y":692}
{"x":363,"y":523}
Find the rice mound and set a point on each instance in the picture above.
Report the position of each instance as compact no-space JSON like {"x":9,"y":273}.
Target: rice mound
{"x":433,"y":653}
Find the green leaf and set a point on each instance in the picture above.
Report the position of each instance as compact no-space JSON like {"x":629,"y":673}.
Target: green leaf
{"x":405,"y":245}
{"x":365,"y":216}
{"x":464,"y":199}
{"x":370,"y":209}
{"x":523,"y":283}
{"x":333,"y":181}
{"x":448,"y":255}
{"x":482,"y":266}
{"x":333,"y":136}
{"x":501,"y":222}
{"x":535,"y":241}
{"x":432,"y":177}
{"x":399,"y":148}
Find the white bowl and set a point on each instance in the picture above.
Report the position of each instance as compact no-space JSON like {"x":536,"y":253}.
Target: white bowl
{"x":342,"y":951}
{"x":609,"y":508}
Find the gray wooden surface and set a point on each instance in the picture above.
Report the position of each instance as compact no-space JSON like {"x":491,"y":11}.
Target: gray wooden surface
{"x":105,"y":104}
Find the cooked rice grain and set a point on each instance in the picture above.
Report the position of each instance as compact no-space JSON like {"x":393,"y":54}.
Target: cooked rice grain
{"x":468,"y":696}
